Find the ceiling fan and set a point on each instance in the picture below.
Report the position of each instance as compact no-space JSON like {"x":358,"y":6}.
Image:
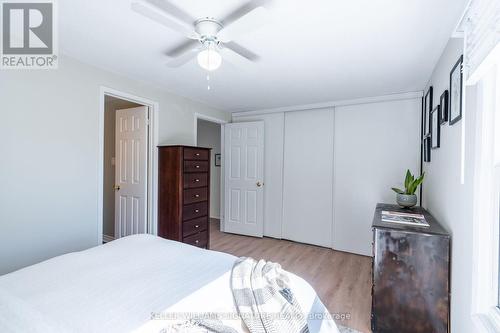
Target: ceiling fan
{"x":208,"y":37}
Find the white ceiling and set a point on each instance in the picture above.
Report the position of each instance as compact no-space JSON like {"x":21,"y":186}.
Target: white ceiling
{"x":312,"y":51}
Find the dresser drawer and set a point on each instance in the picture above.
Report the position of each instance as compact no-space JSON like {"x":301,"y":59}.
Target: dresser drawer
{"x":200,"y":239}
{"x":195,"y":195}
{"x":194,"y":210}
{"x":192,"y":180}
{"x":194,"y":226}
{"x":195,"y":166}
{"x":196,"y":154}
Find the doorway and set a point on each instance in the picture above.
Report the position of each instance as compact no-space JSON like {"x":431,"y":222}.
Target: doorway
{"x":127,"y":162}
{"x":209,"y":134}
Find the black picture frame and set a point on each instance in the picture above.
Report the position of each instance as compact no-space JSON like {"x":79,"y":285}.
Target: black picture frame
{"x":427,"y":111}
{"x":217,"y":160}
{"x":427,"y":149}
{"x":456,"y":87}
{"x":443,"y":102}
{"x":435,"y":124}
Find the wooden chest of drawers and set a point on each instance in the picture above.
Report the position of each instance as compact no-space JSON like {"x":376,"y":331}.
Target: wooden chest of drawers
{"x":184,"y":194}
{"x":411,"y":267}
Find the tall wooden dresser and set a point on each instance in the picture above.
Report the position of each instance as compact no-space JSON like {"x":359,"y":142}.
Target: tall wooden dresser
{"x":411,"y":267}
{"x":184,"y":194}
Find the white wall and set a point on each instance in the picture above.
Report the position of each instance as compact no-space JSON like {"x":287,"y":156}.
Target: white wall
{"x":446,"y":197}
{"x":273,"y":170}
{"x":375,"y":144}
{"x":209,"y":136}
{"x":49,"y":148}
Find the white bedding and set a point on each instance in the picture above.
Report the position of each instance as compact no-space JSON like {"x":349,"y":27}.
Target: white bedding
{"x":117,"y":286}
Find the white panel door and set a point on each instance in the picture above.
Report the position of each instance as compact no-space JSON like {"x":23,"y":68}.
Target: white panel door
{"x":131,"y":171}
{"x":273,"y":170}
{"x":308,"y":177}
{"x":244,"y":170}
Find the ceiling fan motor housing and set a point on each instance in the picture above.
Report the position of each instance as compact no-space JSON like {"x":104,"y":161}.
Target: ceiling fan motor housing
{"x":208,"y":28}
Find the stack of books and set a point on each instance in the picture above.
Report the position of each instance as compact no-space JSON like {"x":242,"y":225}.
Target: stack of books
{"x":404,"y":218}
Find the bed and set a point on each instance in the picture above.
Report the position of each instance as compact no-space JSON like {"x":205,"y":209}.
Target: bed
{"x":138,"y":283}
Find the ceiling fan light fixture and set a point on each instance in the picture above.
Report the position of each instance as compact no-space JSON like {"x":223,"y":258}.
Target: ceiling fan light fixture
{"x":209,"y":59}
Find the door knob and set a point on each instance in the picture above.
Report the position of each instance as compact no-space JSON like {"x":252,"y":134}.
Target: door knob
{"x":259,"y":184}
{"x":116,"y":187}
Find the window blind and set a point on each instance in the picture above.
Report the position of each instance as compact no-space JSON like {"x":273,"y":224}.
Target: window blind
{"x":480,"y":27}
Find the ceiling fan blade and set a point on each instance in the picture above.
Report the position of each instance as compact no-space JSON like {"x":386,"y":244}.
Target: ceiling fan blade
{"x":243,"y":10}
{"x":183,"y":48}
{"x":241,"y":51}
{"x":249,"y":22}
{"x":183,"y":59}
{"x":172,"y":10}
{"x":233,"y":61}
{"x":157,"y":15}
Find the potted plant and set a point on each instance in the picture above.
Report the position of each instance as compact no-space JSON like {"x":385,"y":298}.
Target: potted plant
{"x":407,"y":198}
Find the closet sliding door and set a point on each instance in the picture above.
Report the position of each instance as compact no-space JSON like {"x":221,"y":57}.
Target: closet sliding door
{"x":308,"y":177}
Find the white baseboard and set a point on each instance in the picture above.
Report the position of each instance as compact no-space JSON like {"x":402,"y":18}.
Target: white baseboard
{"x":106,"y":238}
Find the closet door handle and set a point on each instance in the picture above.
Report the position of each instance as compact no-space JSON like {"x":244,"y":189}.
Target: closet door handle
{"x":259,"y":184}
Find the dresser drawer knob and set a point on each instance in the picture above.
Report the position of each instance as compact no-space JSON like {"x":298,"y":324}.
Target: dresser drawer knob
{"x":196,"y":180}
{"x":196,"y":195}
{"x":197,"y":154}
{"x":197,"y":166}
{"x":196,"y":241}
{"x":196,"y":226}
{"x":196,"y":210}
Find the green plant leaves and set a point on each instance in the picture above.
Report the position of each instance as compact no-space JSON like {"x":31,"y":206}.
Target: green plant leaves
{"x":397,"y":190}
{"x":411,"y":184}
{"x":414,"y":184}
{"x":408,"y":179}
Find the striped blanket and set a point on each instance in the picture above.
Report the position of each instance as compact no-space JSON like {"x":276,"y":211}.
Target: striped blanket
{"x":264,"y":299}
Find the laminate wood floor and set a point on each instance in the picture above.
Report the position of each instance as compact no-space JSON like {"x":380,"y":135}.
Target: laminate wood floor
{"x":342,"y":280}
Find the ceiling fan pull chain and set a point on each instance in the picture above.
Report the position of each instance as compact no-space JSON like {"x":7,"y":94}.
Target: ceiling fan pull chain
{"x":208,"y":72}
